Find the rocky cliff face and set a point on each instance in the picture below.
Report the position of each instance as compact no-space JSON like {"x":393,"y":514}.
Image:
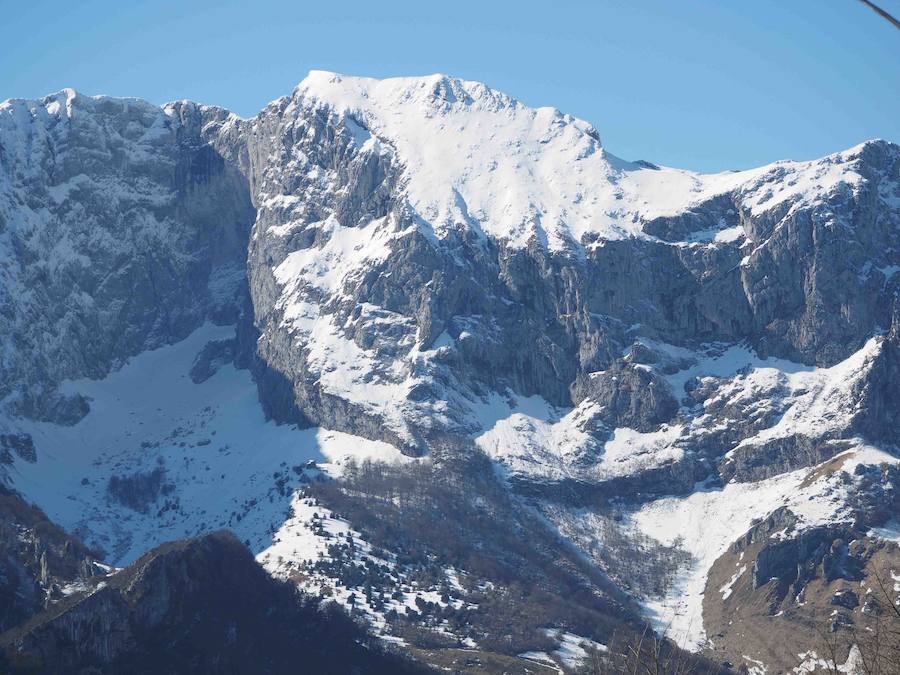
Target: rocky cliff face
{"x":39,"y":563}
{"x":426,"y":263}
{"x":120,"y":230}
{"x":439,"y":281}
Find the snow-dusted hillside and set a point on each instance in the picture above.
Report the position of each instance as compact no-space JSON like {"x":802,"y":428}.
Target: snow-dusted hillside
{"x":196,"y":306}
{"x":473,"y":157}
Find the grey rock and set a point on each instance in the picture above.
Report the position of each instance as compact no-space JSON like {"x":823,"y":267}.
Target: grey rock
{"x":213,"y":356}
{"x":631,"y":396}
{"x":21,"y":444}
{"x":845,"y":597}
{"x":122,"y":230}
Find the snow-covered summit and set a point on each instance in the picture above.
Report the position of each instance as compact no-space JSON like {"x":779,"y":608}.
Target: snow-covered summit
{"x":473,"y":156}
{"x":437,"y":91}
{"x":65,"y":103}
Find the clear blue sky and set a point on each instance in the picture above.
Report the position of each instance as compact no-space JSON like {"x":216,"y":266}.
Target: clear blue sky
{"x":704,"y":84}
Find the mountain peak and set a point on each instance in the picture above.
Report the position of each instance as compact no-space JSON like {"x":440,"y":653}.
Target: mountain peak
{"x":426,"y":266}
{"x":431,"y":91}
{"x":473,"y":154}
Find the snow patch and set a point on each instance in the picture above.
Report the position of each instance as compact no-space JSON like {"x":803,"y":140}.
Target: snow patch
{"x":706,"y":522}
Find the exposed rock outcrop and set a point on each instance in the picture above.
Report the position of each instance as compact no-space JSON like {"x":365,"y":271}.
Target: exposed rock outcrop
{"x":196,"y":606}
{"x":37,"y":560}
{"x":121,"y":230}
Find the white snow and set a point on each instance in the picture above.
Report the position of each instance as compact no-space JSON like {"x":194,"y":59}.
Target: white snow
{"x":630,"y":451}
{"x":727,"y":587}
{"x":530,"y":437}
{"x":527,"y":434}
{"x":543,"y":658}
{"x":729,"y":234}
{"x":353,"y":373}
{"x":310,"y":280}
{"x":574,"y":650}
{"x":347,"y":251}
{"x":756,"y":666}
{"x":706,"y":522}
{"x":475,"y":157}
{"x":724,"y":361}
{"x":811,"y":662}
{"x":572,"y":653}
{"x":890,"y":531}
{"x":211,"y":438}
{"x":295,"y":542}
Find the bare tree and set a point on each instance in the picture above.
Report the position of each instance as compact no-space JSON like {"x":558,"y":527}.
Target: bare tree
{"x":643,"y":654}
{"x":882,"y":13}
{"x":875,"y":646}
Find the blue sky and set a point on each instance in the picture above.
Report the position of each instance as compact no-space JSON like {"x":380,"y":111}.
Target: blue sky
{"x":703,"y":84}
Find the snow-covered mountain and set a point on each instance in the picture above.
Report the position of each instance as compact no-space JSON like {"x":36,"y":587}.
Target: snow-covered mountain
{"x":425,"y":271}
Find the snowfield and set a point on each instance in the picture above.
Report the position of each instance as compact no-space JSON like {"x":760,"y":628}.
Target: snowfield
{"x":530,"y":437}
{"x":210,"y":441}
{"x":706,"y":522}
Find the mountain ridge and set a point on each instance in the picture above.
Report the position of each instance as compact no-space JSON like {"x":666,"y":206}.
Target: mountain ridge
{"x":424,"y":271}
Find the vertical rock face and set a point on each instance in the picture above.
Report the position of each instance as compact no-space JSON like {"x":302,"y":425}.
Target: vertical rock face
{"x":398,"y":271}
{"x":37,"y":560}
{"x":120,"y":230}
{"x":822,"y":279}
